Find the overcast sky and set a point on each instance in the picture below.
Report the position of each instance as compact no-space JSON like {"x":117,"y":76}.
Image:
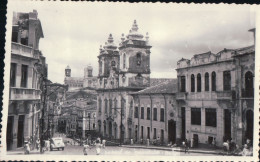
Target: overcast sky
{"x":73,"y":32}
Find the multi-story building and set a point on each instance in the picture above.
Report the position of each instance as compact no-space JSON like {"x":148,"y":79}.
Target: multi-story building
{"x":156,"y":116}
{"x":216,"y":94}
{"x":25,"y":82}
{"x":76,"y":83}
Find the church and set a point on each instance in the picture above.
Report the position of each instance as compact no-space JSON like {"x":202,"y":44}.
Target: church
{"x":76,"y":83}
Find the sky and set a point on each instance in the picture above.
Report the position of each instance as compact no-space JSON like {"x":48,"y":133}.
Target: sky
{"x":73,"y":32}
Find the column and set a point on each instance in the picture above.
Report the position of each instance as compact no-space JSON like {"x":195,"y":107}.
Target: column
{"x":188,"y":123}
{"x":203,"y":120}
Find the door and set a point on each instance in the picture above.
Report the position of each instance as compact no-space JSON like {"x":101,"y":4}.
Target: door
{"x":183,"y":123}
{"x":227,"y":125}
{"x":172,"y":131}
{"x":20,"y":131}
{"x":249,"y":124}
{"x":9,"y":133}
{"x":110,"y":129}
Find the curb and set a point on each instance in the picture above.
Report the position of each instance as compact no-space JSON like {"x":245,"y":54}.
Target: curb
{"x":172,"y":149}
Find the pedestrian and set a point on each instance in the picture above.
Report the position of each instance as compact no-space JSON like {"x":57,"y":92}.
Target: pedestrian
{"x":85,"y":147}
{"x":192,"y":142}
{"x":186,"y":146}
{"x":26,"y":147}
{"x":98,"y":147}
{"x":38,"y":144}
{"x":104,"y":143}
{"x":214,"y":142}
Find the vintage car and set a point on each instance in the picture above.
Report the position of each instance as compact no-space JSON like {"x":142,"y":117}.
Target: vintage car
{"x":57,"y":143}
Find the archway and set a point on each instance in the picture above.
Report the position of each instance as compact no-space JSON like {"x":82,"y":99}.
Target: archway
{"x":110,"y":129}
{"x":249,"y":124}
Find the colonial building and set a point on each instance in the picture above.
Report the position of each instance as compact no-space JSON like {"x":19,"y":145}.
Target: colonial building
{"x":156,"y":114}
{"x":123,"y":69}
{"x":216,"y":95}
{"x":25,"y":82}
{"x":75,"y":83}
{"x":78,"y":113}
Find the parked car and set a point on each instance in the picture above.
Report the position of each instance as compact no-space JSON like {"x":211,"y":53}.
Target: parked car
{"x":57,"y":143}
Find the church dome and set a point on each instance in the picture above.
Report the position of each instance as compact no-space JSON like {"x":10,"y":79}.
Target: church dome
{"x":68,"y":67}
{"x":110,"y":45}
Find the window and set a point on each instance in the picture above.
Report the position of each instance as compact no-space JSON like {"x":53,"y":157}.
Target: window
{"x":183,"y":84}
{"x":124,"y":60}
{"x":155,"y":114}
{"x":110,"y":106}
{"x":227,"y":80}
{"x":24,"y":76}
{"x":154,"y":133}
{"x":195,"y":116}
{"x":211,"y":117}
{"x":136,"y":112}
{"x":115,"y":106}
{"x":148,"y":132}
{"x":13,"y":74}
{"x":142,"y":112}
{"x":138,"y":57}
{"x":148,"y":113}
{"x":199,"y":83}
{"x":162,"y":115}
{"x":105,"y":105}
{"x":192,"y":81}
{"x":123,"y":106}
{"x":207,"y":82}
{"x":100,"y":105}
{"x":249,"y":84}
{"x":100,"y":68}
{"x":213,"y":81}
{"x":15,"y":36}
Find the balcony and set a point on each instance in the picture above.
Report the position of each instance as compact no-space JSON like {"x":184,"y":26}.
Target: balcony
{"x":24,"y":94}
{"x":24,"y":50}
{"x":181,"y":96}
{"x":225,"y":95}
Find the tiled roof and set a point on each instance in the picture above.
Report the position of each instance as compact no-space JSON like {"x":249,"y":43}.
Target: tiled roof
{"x":156,"y":81}
{"x":244,"y":50}
{"x":167,"y":87}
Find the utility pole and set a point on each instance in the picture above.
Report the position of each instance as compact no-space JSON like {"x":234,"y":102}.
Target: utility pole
{"x":42,"y":115}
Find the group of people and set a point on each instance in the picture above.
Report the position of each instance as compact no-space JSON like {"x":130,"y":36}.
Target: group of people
{"x":232,"y":148}
{"x":96,"y":143}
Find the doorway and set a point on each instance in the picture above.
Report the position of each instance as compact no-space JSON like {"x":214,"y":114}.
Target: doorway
{"x":110,"y":129}
{"x":9,"y":133}
{"x":227,"y":125}
{"x":249,"y":124}
{"x":172,"y":131}
{"x":20,"y":131}
{"x":183,"y":123}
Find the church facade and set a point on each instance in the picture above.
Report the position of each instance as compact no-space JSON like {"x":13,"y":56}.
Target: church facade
{"x":123,"y":69}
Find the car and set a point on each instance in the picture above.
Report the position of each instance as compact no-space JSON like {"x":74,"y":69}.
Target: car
{"x":57,"y":143}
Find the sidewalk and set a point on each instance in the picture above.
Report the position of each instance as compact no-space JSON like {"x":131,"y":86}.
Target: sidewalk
{"x":20,"y":151}
{"x":179,"y":149}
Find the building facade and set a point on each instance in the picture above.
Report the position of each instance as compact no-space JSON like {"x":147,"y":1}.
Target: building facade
{"x":25,"y":82}
{"x":75,"y":83}
{"x":156,"y":115}
{"x":216,"y":94}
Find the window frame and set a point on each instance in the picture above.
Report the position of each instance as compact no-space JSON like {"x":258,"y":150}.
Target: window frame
{"x":195,"y":116}
{"x":198,"y":82}
{"x":210,"y":119}
{"x":155,"y":114}
{"x":148,"y":114}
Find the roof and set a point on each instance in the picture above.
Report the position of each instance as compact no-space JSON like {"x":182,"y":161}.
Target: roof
{"x":156,"y":81}
{"x":167,"y":87}
{"x":244,"y":50}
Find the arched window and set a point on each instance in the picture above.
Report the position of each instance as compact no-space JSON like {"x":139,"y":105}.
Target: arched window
{"x":110,"y":107}
{"x":115,"y":106}
{"x":183,"y":84}
{"x":124,"y":59}
{"x":113,"y":63}
{"x":249,"y":84}
{"x":199,"y":83}
{"x":105,"y":106}
{"x":192,"y":81}
{"x":213,"y":81}
{"x":207,"y":82}
{"x":138,"y":58}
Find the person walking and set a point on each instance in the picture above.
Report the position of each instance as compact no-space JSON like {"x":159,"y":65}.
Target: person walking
{"x":27,"y":147}
{"x":186,"y":146}
{"x":85,"y":149}
{"x":38,"y":144}
{"x":104,"y":143}
{"x":98,"y":147}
